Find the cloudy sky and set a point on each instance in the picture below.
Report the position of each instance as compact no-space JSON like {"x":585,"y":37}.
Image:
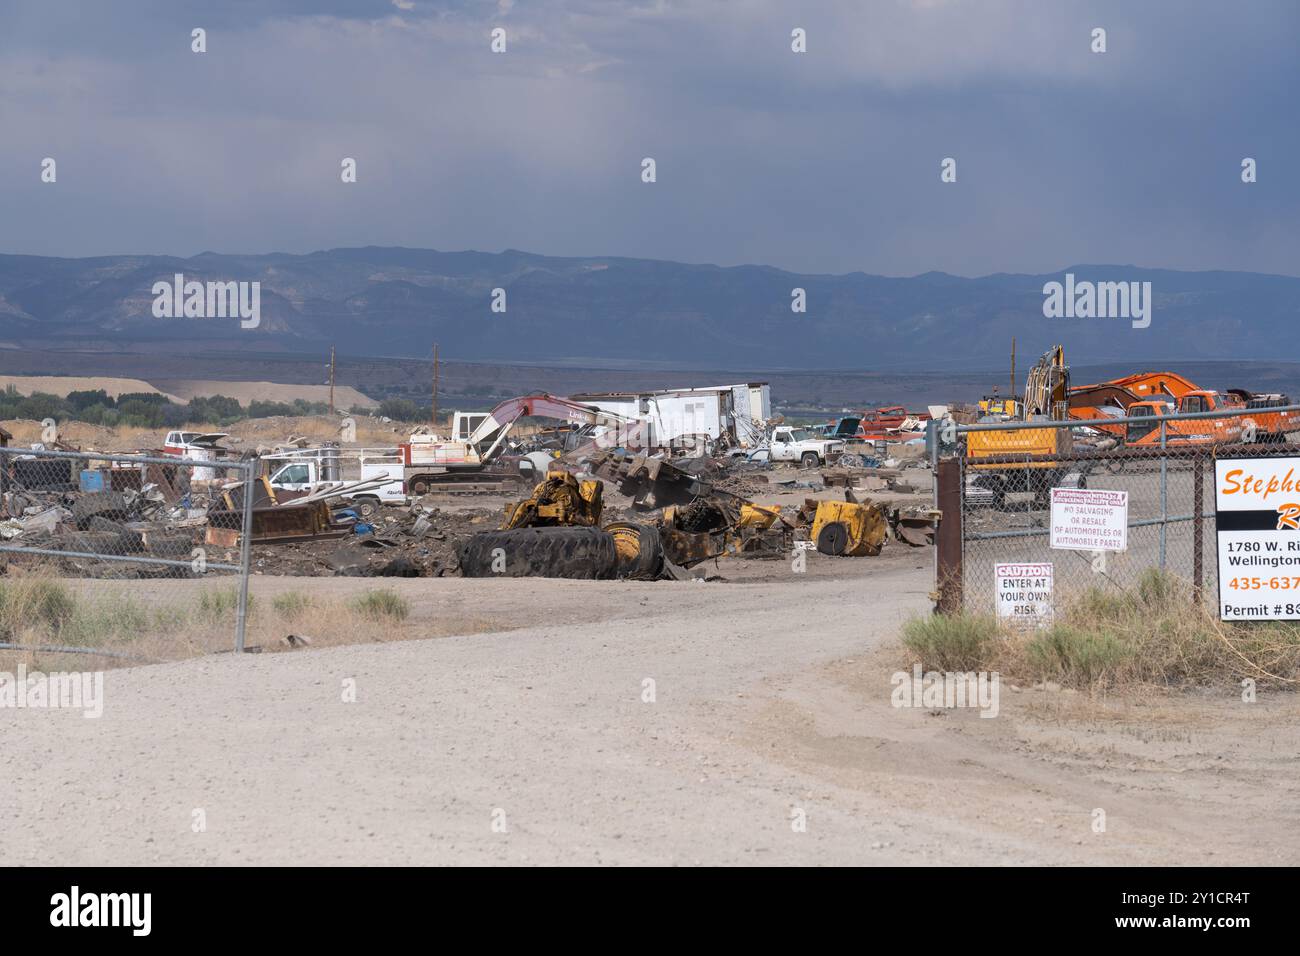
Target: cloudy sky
{"x":826,"y":161}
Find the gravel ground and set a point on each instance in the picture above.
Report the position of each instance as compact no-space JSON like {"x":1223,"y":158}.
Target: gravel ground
{"x":771,"y":700}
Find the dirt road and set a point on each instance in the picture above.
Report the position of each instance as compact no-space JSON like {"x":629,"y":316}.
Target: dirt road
{"x":771,"y":700}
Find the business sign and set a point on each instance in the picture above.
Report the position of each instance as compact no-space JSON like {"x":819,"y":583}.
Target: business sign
{"x":1257,"y":520}
{"x":1024,"y":594}
{"x":1089,"y":520}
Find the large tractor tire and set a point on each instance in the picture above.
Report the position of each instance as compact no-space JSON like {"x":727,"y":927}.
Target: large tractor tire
{"x":584,"y":553}
{"x":640,"y":551}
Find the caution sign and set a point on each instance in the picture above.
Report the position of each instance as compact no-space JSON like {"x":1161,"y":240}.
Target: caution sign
{"x":1089,"y":520}
{"x":1024,"y":594}
{"x":1257,"y":519}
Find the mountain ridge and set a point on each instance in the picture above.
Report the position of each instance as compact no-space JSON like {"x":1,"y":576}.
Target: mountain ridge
{"x":397,"y":300}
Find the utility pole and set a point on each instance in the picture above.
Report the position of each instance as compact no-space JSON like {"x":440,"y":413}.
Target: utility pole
{"x":331,"y":380}
{"x":1013,"y":373}
{"x":434,"y":413}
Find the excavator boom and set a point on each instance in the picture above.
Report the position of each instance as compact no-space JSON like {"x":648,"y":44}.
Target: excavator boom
{"x":542,"y":406}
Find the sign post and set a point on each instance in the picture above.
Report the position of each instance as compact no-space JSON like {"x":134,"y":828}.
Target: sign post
{"x":1257,"y":527}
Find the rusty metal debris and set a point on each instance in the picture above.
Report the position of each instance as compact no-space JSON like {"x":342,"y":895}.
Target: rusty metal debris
{"x":650,"y":482}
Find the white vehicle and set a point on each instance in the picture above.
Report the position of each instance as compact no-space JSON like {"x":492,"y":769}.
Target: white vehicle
{"x":305,"y":476}
{"x":197,"y":446}
{"x":801,"y":445}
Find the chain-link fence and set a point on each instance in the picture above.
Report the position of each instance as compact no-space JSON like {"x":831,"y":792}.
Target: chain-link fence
{"x":1063,"y":507}
{"x":115,"y":554}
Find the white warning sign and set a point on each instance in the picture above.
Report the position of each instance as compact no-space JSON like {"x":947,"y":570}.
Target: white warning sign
{"x":1089,"y":520}
{"x":1024,"y":593}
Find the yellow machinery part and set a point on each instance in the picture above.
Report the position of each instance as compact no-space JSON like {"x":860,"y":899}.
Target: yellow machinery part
{"x":758,"y":517}
{"x":1022,"y":441}
{"x":864,"y":526}
{"x":559,"y":501}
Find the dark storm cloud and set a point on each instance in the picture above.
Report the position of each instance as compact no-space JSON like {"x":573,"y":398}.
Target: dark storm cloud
{"x":823,"y":162}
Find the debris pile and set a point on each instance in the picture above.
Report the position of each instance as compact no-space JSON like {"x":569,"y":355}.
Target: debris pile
{"x":676,"y":513}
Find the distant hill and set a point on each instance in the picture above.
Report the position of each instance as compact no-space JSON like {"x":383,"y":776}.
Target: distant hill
{"x":397,"y":302}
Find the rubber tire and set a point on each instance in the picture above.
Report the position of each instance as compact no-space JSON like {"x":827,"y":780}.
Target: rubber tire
{"x":581,"y":553}
{"x":833,"y":539}
{"x":649,"y":559}
{"x":103,"y":504}
{"x":366,"y":506}
{"x":809,"y":459}
{"x":178,"y":547}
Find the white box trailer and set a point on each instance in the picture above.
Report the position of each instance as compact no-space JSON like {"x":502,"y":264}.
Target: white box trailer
{"x":682,"y":416}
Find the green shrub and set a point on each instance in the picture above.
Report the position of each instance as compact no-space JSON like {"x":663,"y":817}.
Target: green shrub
{"x":380,"y":605}
{"x":1077,"y":656}
{"x":222,"y":603}
{"x":35,"y":602}
{"x":291,"y":604}
{"x":116,"y":618}
{"x":951,"y":642}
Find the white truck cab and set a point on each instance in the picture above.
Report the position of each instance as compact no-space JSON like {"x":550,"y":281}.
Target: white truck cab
{"x":800,"y":444}
{"x":306,"y":476}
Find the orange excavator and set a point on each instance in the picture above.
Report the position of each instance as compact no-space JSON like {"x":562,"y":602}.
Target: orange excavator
{"x":1156,"y":394}
{"x":1096,"y":403}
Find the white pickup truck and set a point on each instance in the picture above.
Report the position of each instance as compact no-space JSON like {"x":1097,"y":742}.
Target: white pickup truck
{"x":801,"y":445}
{"x":306,"y":476}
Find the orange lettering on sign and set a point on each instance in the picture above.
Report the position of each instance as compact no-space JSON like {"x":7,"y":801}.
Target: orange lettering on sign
{"x":1288,"y":516}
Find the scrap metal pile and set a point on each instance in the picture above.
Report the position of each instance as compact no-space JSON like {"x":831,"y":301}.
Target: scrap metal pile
{"x":668,"y":519}
{"x":557,"y":533}
{"x":82,"y":520}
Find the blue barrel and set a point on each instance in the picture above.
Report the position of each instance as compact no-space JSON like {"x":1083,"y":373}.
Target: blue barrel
{"x":92,"y":479}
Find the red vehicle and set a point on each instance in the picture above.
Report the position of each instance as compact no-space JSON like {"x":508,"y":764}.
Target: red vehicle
{"x":891,"y":423}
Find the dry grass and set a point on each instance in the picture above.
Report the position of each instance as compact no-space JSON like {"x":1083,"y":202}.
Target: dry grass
{"x":1150,"y":636}
{"x":370,"y":433}
{"x":38,"y":611}
{"x":122,"y":438}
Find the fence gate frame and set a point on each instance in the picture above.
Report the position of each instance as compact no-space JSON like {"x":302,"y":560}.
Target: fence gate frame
{"x":949,"y":464}
{"x":247,"y":469}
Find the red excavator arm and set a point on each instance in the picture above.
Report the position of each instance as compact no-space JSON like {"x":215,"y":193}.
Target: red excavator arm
{"x":541,"y":406}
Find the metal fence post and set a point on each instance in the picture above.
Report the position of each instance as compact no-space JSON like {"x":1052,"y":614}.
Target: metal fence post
{"x":934,"y":484}
{"x":1164,"y":491}
{"x":1198,"y":525}
{"x":245,"y":554}
{"x":948,"y":539}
